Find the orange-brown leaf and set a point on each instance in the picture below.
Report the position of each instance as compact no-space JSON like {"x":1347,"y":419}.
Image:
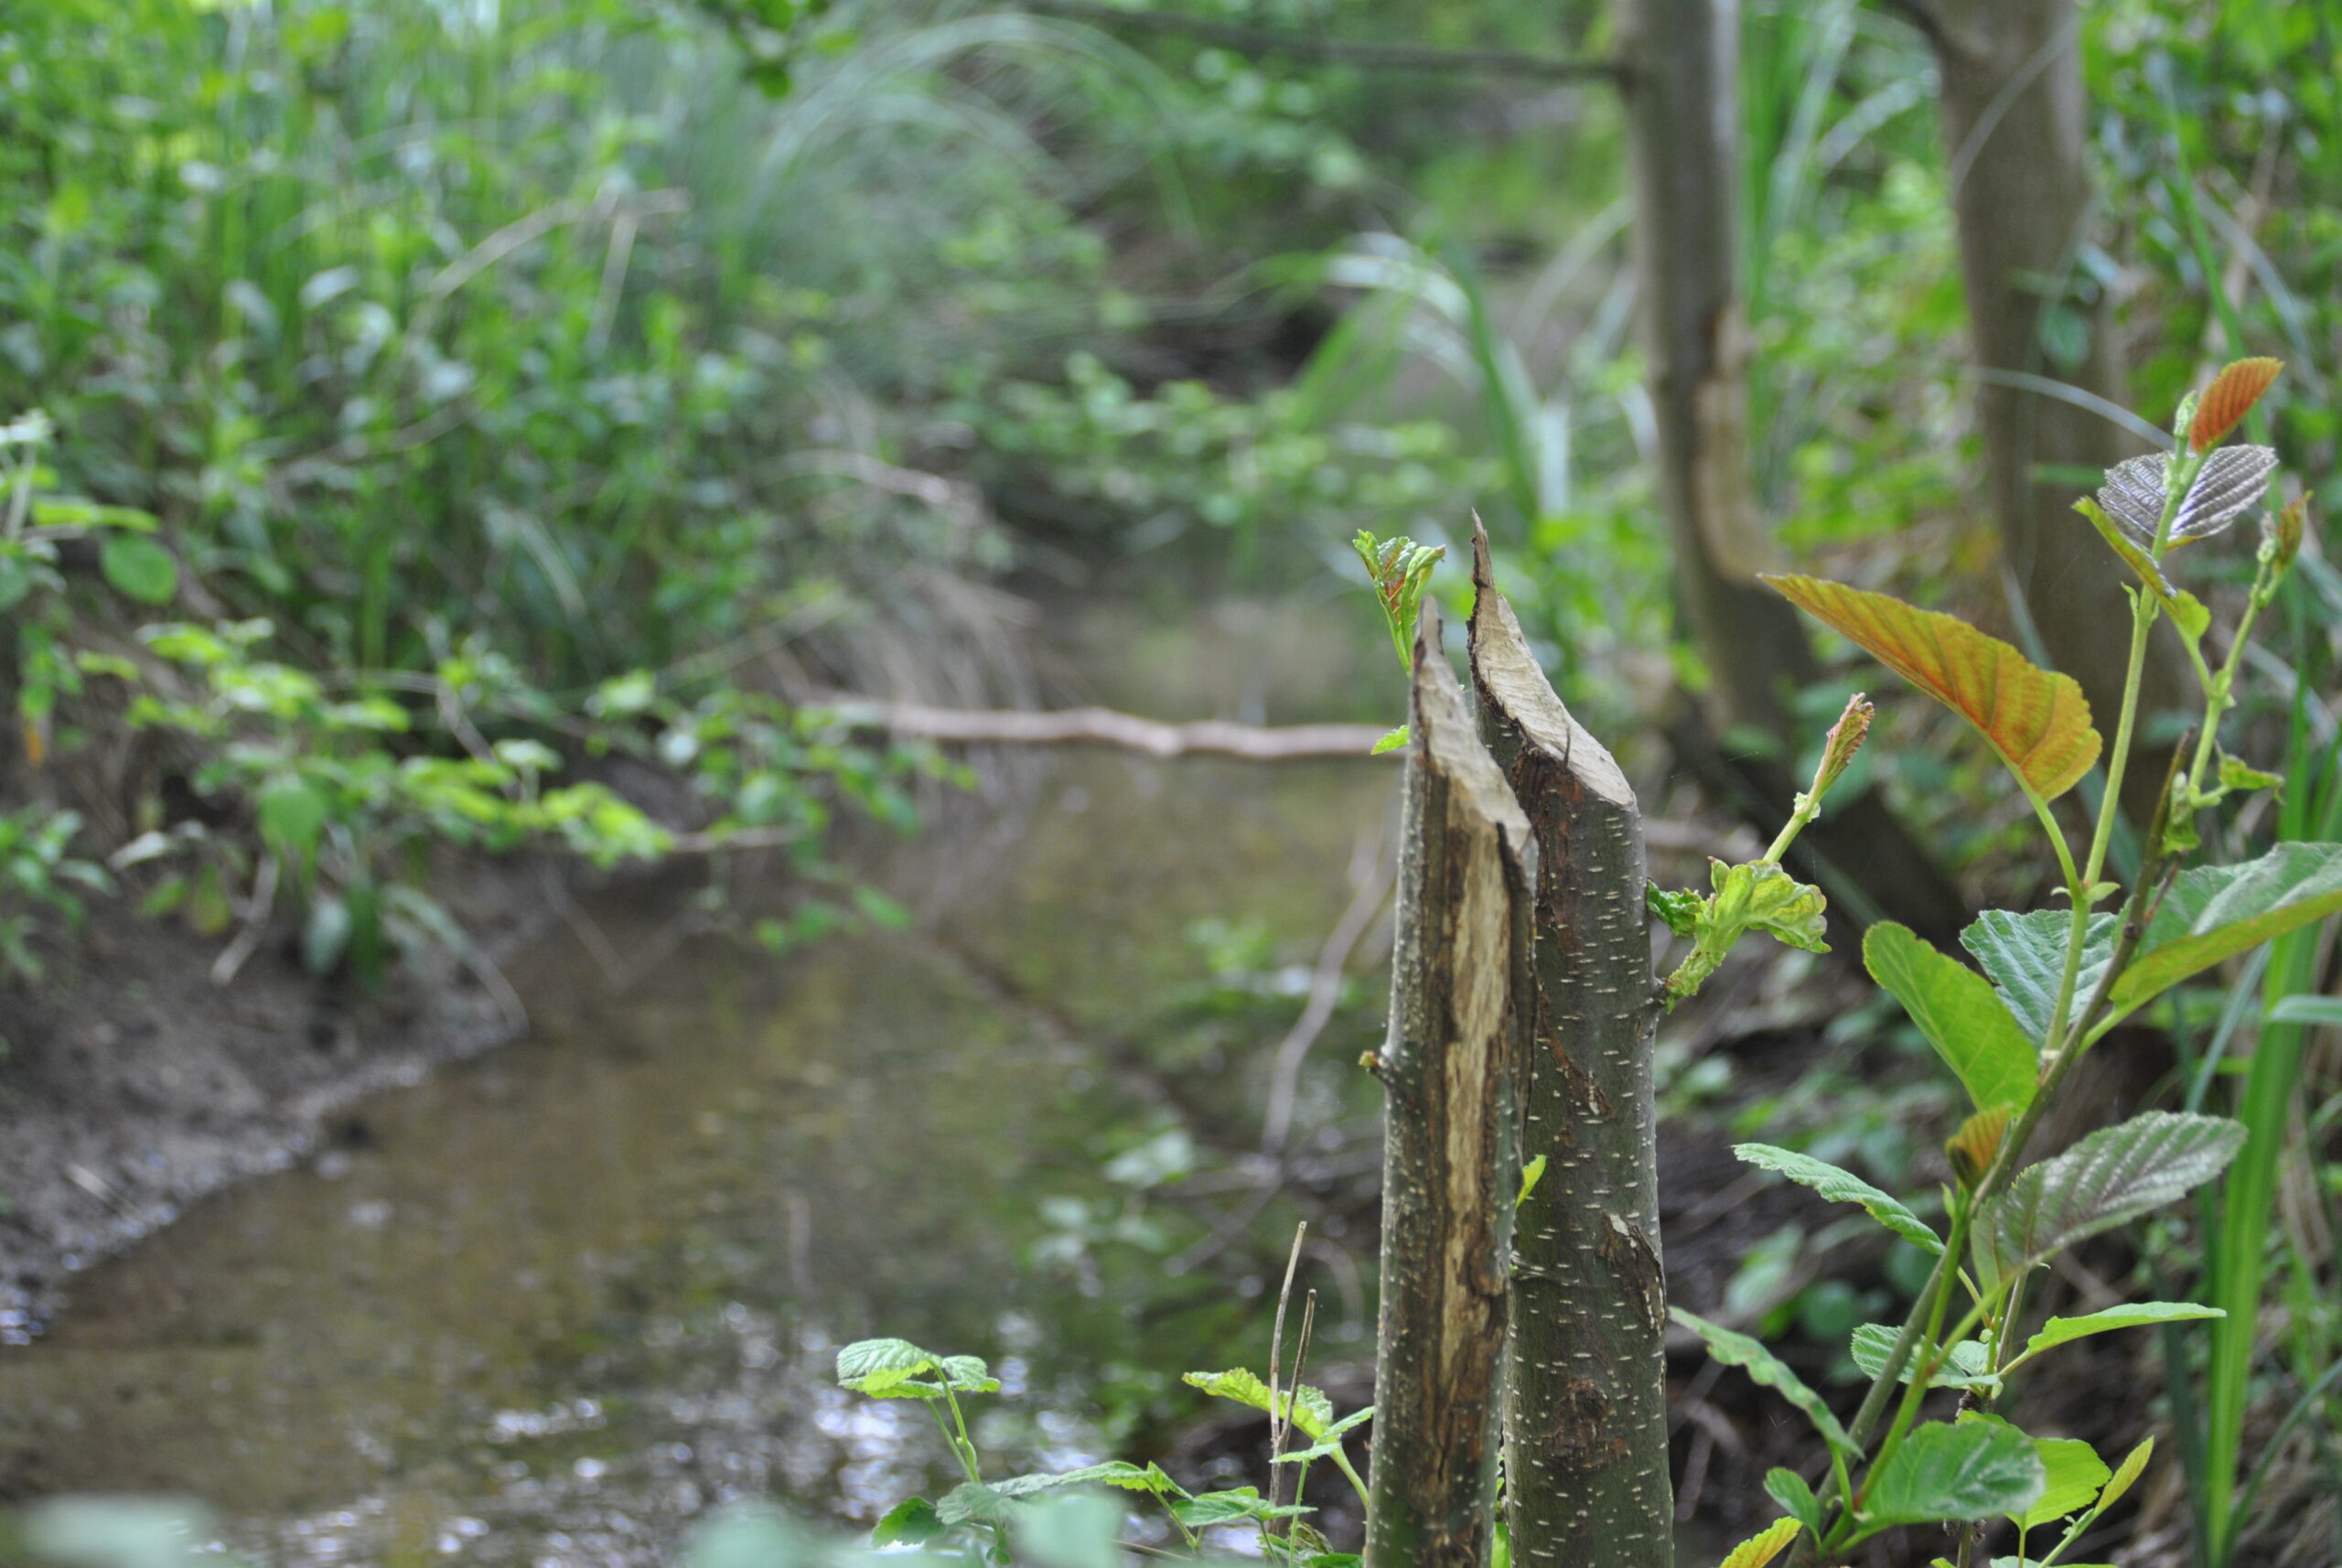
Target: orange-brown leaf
{"x":2229,"y":398}
{"x":2037,"y":720}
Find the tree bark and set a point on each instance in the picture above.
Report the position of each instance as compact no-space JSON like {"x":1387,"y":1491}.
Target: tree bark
{"x":2014,"y":124}
{"x":1586,"y":1364}
{"x":1683,"y":99}
{"x":1449,"y":1165}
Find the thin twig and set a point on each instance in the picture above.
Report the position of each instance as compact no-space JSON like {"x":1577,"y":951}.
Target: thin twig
{"x":1371,"y":874}
{"x":1280,"y":1419}
{"x":1253,"y":742}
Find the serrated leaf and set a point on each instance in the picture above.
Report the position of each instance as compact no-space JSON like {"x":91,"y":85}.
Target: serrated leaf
{"x":2114,"y":1174}
{"x":2229,"y":398}
{"x":1391,"y":740}
{"x":1680,"y":911}
{"x":1739,"y":1350}
{"x":1229,"y":1507}
{"x":1961,"y":1016}
{"x":2037,"y":720}
{"x":1312,"y":1412}
{"x":139,"y":568}
{"x":2064,"y":1330}
{"x":1841,"y":1187}
{"x":2215,"y":912}
{"x":1788,"y":1488}
{"x":2231,"y":480}
{"x":2024,"y":956}
{"x":973,"y":1502}
{"x":1766,"y":899}
{"x":2186,"y":610}
{"x":1973,"y":1470}
{"x":1762,"y":1548}
{"x":1130,"y":1477}
{"x":2236,"y":774}
{"x":1969,"y":1365}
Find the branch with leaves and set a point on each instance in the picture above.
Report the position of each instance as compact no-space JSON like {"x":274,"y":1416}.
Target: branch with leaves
{"x":2046,"y":989}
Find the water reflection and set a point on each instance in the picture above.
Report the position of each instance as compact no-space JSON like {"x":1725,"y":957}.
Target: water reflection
{"x":553,"y":1306}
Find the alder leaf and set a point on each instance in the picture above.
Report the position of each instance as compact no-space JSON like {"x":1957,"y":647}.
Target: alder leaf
{"x":1969,"y":1365}
{"x":2231,"y":479}
{"x":1842,"y":1186}
{"x":2025,"y":955}
{"x":2037,"y":720}
{"x":1973,"y":1471}
{"x":2063,"y":1330}
{"x":2229,"y":398}
{"x":2071,"y":1474}
{"x":1960,"y":1012}
{"x":1739,"y":1350}
{"x":2115,"y":1175}
{"x":2215,"y":912}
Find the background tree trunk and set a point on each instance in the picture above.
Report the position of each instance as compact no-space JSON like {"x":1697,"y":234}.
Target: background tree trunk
{"x":1682,"y":61}
{"x":1449,"y":1169}
{"x":2014,"y":127}
{"x":1585,"y":1363}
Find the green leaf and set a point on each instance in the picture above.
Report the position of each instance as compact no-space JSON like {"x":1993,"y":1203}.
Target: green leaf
{"x":896,"y":1368}
{"x":1788,"y":1488}
{"x":2218,"y":911}
{"x":1312,"y":1411}
{"x":2186,"y":610}
{"x":1970,"y":1367}
{"x":2063,"y":1330}
{"x":1763,"y":1546}
{"x":2114,"y":1174}
{"x":1331,"y":1442}
{"x":1841,"y":1187}
{"x":2038,"y":721}
{"x":1680,"y":911}
{"x":1530,"y":1175}
{"x":2072,"y":1474}
{"x":1764,"y":897}
{"x":1739,"y":1350}
{"x":139,"y":568}
{"x":2236,"y":774}
{"x":1130,"y":1477}
{"x":972,"y":1502}
{"x":1973,"y":1470}
{"x":292,"y":815}
{"x":2025,"y":955}
{"x":2316,"y":1011}
{"x":1392,"y":741}
{"x":1960,"y":1012}
{"x":907,"y":1523}
{"x":2127,"y":1474}
{"x":1230,"y":1507}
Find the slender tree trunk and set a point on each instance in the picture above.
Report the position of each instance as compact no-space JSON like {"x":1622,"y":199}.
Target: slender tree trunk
{"x":1449,"y":1167}
{"x":1586,"y":1364}
{"x":1683,"y":60}
{"x":2014,"y":124}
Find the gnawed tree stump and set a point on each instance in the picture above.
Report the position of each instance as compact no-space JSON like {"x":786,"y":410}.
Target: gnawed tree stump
{"x":1584,"y":1376}
{"x":1449,"y":1167}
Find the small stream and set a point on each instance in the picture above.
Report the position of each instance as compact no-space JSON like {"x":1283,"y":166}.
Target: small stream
{"x":550,"y":1307}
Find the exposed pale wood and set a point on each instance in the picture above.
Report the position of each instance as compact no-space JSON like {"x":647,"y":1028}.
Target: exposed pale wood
{"x":1585,"y":1369}
{"x":1107,"y":728}
{"x":1448,"y":1159}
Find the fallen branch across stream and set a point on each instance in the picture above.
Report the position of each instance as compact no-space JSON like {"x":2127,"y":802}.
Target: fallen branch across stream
{"x":1105,"y":727}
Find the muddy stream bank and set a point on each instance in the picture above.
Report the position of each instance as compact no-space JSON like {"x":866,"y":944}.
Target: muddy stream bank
{"x":553,"y":1303}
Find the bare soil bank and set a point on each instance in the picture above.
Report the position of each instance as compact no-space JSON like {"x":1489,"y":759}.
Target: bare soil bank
{"x":133,"y":1085}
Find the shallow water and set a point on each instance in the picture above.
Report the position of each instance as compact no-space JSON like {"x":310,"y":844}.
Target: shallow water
{"x":550,"y":1307}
